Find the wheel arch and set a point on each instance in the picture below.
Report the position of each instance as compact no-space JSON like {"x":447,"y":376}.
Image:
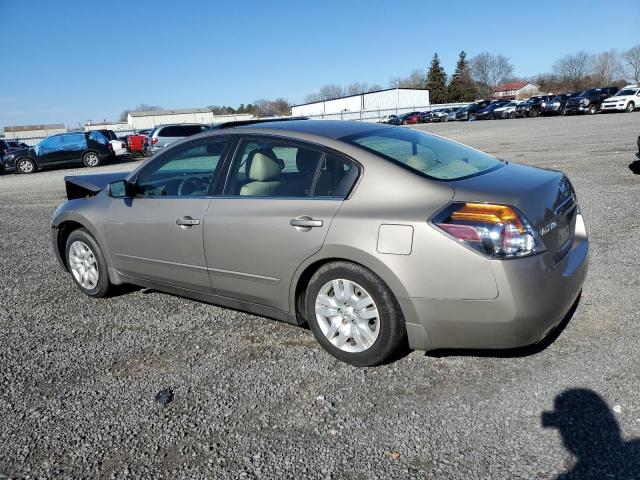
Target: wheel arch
{"x":64,"y":230}
{"x":27,"y":157}
{"x":303,"y":274}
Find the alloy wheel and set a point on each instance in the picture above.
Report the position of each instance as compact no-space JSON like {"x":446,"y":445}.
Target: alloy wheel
{"x":347,"y":315}
{"x":91,"y":159}
{"x":83,"y":265}
{"x":25,"y":166}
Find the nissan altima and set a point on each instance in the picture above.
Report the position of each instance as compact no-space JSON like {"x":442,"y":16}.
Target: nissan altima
{"x":376,"y":236}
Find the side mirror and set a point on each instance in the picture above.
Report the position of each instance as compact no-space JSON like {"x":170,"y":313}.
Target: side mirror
{"x":121,"y":189}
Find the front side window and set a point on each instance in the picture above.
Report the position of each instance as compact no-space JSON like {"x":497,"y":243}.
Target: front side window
{"x":49,"y":145}
{"x":269,"y":168}
{"x":188,"y":171}
{"x":425,"y":154}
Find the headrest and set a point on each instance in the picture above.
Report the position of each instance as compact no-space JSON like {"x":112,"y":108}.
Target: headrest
{"x":307,"y":160}
{"x":263,"y":165}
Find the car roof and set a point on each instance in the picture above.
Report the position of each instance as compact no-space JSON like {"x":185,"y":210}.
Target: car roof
{"x":333,"y":129}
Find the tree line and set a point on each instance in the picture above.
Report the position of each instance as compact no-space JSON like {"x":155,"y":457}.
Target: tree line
{"x":472,"y":78}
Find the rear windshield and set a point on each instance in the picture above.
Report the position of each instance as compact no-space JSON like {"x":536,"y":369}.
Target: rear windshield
{"x":425,"y":154}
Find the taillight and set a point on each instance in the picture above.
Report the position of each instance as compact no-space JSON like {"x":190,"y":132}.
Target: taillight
{"x":499,"y":231}
{"x":154,"y":140}
{"x":110,"y":147}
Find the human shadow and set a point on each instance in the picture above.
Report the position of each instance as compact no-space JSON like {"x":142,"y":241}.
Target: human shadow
{"x":635,"y":167}
{"x":591,"y":433}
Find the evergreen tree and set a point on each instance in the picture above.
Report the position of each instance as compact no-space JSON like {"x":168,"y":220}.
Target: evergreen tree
{"x":462,"y":88}
{"x":437,"y":81}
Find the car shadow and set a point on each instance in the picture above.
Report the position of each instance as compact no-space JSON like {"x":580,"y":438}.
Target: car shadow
{"x":511,"y":352}
{"x":635,"y":167}
{"x":591,"y":433}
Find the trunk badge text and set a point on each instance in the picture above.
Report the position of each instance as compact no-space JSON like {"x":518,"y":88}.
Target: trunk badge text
{"x":548,"y":228}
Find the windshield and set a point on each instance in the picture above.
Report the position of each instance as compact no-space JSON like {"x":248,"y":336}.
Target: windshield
{"x":428,"y":155}
{"x":586,"y":93}
{"x":627,"y":91}
{"x":558,"y":98}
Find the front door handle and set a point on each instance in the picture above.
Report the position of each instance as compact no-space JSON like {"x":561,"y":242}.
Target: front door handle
{"x":305,"y":222}
{"x":187,"y":221}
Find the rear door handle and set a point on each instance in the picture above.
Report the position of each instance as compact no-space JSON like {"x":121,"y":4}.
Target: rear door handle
{"x":305,"y":222}
{"x":187,"y":221}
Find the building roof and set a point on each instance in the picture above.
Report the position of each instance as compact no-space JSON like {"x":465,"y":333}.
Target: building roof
{"x":97,"y":124}
{"x":151,"y":113}
{"x":363,"y":93}
{"x":513,"y":86}
{"x":28,"y":128}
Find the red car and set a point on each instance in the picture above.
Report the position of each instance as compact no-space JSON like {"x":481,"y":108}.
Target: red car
{"x":136,"y":143}
{"x":412,"y":119}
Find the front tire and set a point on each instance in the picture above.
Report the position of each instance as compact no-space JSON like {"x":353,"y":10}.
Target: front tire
{"x":91,"y":159}
{"x":592,"y":110}
{"x":86,"y":264}
{"x":533,"y":113}
{"x":26,"y":166}
{"x":354,"y":315}
{"x":630,"y":107}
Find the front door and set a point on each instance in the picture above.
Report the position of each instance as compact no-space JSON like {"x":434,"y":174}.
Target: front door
{"x":278,"y":205}
{"x":157,"y":234}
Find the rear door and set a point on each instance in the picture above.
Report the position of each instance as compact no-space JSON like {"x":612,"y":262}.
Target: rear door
{"x":279,"y":201}
{"x":157,"y":234}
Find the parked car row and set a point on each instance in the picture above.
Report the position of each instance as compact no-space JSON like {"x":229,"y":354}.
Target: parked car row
{"x":589,"y":101}
{"x":90,"y":149}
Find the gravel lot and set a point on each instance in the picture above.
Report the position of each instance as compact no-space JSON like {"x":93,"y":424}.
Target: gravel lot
{"x":259,"y":399}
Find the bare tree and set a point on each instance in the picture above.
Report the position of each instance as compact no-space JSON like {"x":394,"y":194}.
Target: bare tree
{"x":606,"y":67}
{"x":631,"y":64}
{"x":327,"y":92}
{"x":143,"y":107}
{"x":416,"y":79}
{"x":573,"y":69}
{"x":357,"y":88}
{"x":272,"y":108}
{"x":490,"y":70}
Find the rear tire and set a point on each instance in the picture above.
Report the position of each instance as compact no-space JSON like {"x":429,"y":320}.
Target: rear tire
{"x":358,"y":334}
{"x":630,"y":107}
{"x":26,"y":166}
{"x":85,"y":262}
{"x":91,"y":159}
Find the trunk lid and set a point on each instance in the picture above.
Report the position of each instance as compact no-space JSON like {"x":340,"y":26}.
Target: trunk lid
{"x":545,"y":197}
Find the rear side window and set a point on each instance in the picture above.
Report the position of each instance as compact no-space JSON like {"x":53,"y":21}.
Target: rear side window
{"x":425,"y":154}
{"x":98,"y":137}
{"x":180,"y":130}
{"x":73,"y":141}
{"x":272,"y":168}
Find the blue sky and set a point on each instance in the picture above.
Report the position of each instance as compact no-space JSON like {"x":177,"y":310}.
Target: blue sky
{"x":72,"y":61}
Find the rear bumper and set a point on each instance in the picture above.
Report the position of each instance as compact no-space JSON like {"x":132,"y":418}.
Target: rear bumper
{"x":534,"y":296}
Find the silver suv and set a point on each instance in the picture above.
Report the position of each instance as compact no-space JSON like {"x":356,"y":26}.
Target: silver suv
{"x":165,"y":135}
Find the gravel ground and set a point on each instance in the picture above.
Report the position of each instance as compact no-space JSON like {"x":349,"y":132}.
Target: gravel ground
{"x":256,"y":398}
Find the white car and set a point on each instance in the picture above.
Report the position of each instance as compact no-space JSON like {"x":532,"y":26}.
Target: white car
{"x":119,"y":147}
{"x":626,"y":100}
{"x":506,"y":111}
